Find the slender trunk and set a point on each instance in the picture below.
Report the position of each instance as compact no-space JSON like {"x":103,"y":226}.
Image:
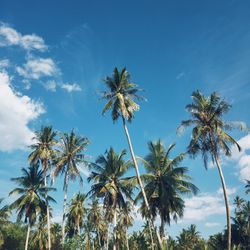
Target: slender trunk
{"x":64,"y":206}
{"x":27,"y":237}
{"x":78,"y":228}
{"x":127,"y":239}
{"x":47,"y":203}
{"x":98,"y":237}
{"x":107,"y":246}
{"x":140,"y":181}
{"x":114,"y":246}
{"x":226,"y":202}
{"x":151,"y":237}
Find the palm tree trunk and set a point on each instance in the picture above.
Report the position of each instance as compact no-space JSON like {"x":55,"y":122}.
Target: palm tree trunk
{"x":64,"y":206}
{"x":226,"y":202}
{"x":98,"y":237}
{"x":140,"y":181}
{"x":127,"y":239}
{"x":151,"y":237}
{"x":47,"y":204}
{"x":107,"y":246}
{"x":27,"y":237}
{"x":114,"y":246}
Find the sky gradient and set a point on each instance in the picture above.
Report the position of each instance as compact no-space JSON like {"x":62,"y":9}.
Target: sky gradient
{"x":54,"y":55}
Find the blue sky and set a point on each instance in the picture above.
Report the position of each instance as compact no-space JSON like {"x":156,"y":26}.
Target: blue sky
{"x":54,"y":55}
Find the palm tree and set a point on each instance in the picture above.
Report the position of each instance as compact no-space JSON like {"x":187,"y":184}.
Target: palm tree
{"x":165,"y":183}
{"x":209,"y":136}
{"x":247,"y":187}
{"x":121,"y":97}
{"x":31,"y":201}
{"x":126,"y":220}
{"x":39,"y":237}
{"x":69,"y":156}
{"x":4,"y":213}
{"x":43,"y":152}
{"x":77,"y":211}
{"x":189,"y":238}
{"x":110,"y":184}
{"x":96,"y":218}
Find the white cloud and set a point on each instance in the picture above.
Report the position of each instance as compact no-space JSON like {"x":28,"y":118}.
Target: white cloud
{"x":199,"y":208}
{"x":205,"y":205}
{"x":71,"y":87}
{"x":4,"y":63}
{"x":242,"y":158}
{"x":230,"y":191}
{"x":36,"y":68}
{"x":51,"y":85}
{"x":10,"y":37}
{"x":16,"y":112}
{"x":212,"y":224}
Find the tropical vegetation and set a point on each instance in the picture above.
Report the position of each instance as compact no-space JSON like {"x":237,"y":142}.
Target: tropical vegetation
{"x":104,"y":215}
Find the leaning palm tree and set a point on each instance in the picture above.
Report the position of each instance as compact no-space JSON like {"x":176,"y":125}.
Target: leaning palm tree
{"x":166,"y":182}
{"x":110,"y":183}
{"x":69,"y":156}
{"x":77,"y":211}
{"x":31,"y":201}
{"x":210,"y":137}
{"x":121,"y":97}
{"x":43,"y":152}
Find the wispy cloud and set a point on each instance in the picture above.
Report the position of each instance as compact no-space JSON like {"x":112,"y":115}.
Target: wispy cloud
{"x":212,"y":224}
{"x":50,"y":85}
{"x":70,"y":87}
{"x":36,"y":68}
{"x":10,"y":37}
{"x":16,"y":112}
{"x":242,"y":158}
{"x":180,"y":75}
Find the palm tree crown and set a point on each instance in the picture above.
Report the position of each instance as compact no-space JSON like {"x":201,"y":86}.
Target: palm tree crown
{"x":121,"y":95}
{"x":70,"y":155}
{"x":32,"y":194}
{"x":209,"y":134}
{"x":109,"y":181}
{"x":165,"y":183}
{"x":42,"y":149}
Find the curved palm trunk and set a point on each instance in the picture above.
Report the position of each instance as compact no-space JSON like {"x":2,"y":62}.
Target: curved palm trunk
{"x":226,"y":202}
{"x":114,"y":246}
{"x":27,"y":237}
{"x":64,"y":206}
{"x":140,"y":181}
{"x":47,"y":205}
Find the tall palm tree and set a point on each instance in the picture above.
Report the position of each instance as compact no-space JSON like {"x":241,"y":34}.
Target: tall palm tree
{"x":31,"y":201}
{"x":69,"y":156}
{"x":110,"y":184}
{"x":43,"y":152}
{"x":165,"y":183}
{"x":121,"y":95}
{"x":210,"y":137}
{"x":77,"y":211}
